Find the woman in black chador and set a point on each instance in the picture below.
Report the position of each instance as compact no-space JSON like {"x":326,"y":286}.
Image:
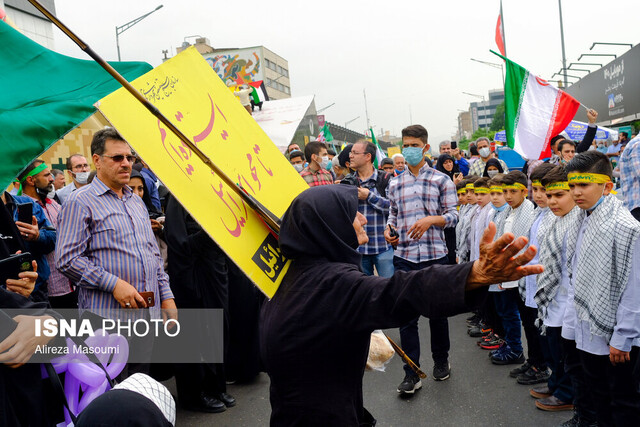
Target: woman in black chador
{"x":315,"y":331}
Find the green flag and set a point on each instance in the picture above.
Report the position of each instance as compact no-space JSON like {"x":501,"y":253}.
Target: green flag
{"x":44,"y":96}
{"x":379,"y":153}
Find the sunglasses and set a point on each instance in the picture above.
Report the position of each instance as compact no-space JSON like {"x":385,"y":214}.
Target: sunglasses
{"x":118,"y":158}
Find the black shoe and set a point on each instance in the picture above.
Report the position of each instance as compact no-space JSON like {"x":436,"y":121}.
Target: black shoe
{"x":204,"y":404}
{"x":534,"y":376}
{"x":520,"y":370}
{"x":410,"y":384}
{"x":475,"y":331}
{"x":227,"y":399}
{"x":441,"y":371}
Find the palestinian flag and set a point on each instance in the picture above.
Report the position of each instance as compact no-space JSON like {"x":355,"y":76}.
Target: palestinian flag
{"x":259,"y":93}
{"x":379,"y":153}
{"x":535,"y":112}
{"x":325,"y":134}
{"x":44,"y":96}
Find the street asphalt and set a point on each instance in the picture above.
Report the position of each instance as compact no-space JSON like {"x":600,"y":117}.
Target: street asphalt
{"x":478,"y":393}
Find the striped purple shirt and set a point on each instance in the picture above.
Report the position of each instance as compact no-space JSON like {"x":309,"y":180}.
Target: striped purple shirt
{"x":431,"y":193}
{"x":102,"y":238}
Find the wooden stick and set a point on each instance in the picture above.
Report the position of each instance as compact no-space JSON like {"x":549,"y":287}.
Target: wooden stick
{"x":272,"y":221}
{"x":406,"y":359}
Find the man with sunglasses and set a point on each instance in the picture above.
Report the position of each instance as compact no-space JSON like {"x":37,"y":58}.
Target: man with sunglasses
{"x":106,"y":244}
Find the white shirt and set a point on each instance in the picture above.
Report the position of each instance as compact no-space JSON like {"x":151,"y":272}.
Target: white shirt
{"x":508,"y":228}
{"x":626,"y":333}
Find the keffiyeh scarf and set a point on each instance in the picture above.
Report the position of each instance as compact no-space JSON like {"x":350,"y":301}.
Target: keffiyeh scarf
{"x":601,"y":275}
{"x":551,"y":258}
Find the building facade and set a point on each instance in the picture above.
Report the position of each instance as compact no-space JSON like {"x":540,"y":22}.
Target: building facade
{"x":30,"y":21}
{"x":247,"y":64}
{"x":482,"y":112}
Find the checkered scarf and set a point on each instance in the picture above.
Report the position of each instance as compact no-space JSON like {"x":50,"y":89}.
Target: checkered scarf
{"x":551,"y":258}
{"x":601,"y":276}
{"x":543,"y":227}
{"x":465,"y":233}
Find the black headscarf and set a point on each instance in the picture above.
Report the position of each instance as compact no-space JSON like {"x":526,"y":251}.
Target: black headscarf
{"x":440,"y":165}
{"x":492,"y":162}
{"x":319,"y":224}
{"x":146,"y":196}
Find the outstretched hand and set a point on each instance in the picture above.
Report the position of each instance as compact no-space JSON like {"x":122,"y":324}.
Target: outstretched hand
{"x":498,"y":261}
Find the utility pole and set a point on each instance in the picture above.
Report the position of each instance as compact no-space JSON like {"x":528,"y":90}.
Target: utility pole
{"x":366,"y":110}
{"x":410,"y":116}
{"x":564,"y":58}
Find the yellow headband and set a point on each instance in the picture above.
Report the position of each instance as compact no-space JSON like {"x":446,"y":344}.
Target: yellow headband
{"x":469,"y":186}
{"x":481,"y":190}
{"x":536,"y":183}
{"x":560,"y":185}
{"x":515,"y":186}
{"x":588,"y":178}
{"x":496,"y":189}
{"x":462,"y":191}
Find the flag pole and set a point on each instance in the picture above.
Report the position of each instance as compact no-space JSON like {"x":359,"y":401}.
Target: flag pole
{"x":268,"y":217}
{"x":504,"y":36}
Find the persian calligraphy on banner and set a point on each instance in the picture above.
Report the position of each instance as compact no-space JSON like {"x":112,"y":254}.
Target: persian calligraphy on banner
{"x":188,"y":92}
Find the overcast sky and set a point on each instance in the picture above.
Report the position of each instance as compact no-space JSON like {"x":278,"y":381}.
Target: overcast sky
{"x":412,"y":57}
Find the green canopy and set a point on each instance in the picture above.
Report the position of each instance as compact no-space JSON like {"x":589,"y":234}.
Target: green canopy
{"x":45,"y":95}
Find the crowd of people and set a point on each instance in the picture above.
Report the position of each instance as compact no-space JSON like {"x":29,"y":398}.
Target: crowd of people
{"x":111,"y":236}
{"x":101,"y":243}
{"x":581,"y":316}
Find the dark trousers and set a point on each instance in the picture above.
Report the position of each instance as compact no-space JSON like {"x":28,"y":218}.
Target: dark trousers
{"x":616,"y":400}
{"x":559,"y":381}
{"x":490,"y":315}
{"x":507,"y":308}
{"x":582,"y":400}
{"x":69,"y":300}
{"x":409,"y":337}
{"x":528,"y":317}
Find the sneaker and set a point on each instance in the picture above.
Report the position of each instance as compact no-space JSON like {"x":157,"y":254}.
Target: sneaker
{"x":492,"y":344}
{"x":441,"y":371}
{"x":473,"y":319}
{"x":503,"y":346}
{"x":534,"y":376}
{"x":553,"y":404}
{"x":507,"y":357}
{"x":520,"y":370}
{"x":475,"y":331}
{"x":540,"y":392}
{"x":576,"y":421}
{"x":410,"y":384}
{"x":573,"y":422}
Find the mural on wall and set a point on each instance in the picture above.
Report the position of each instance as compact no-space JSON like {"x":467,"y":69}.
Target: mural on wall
{"x":76,"y":141}
{"x":243,"y":66}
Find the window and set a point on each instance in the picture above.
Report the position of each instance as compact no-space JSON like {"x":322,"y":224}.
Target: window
{"x":287,"y":90}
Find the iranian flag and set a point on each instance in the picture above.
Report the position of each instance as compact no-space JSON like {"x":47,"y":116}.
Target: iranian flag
{"x":325,"y":134}
{"x":535,"y":112}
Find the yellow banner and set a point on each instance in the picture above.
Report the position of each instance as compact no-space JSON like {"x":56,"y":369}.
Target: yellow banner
{"x":188,"y":92}
{"x":393,"y":150}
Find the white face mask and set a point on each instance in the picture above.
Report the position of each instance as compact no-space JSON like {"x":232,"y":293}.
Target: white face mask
{"x":324,"y":162}
{"x":298,"y":167}
{"x":484,"y":152}
{"x":82,"y":177}
{"x":492,"y":173}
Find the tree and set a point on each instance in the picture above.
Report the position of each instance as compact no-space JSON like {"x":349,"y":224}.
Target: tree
{"x":483,"y":132}
{"x":498,"y":118}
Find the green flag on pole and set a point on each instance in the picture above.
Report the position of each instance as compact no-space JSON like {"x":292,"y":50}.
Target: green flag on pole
{"x":379,"y":153}
{"x":44,"y":96}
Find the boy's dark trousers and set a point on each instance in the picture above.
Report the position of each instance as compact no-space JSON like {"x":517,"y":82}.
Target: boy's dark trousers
{"x":507,"y":308}
{"x":582,"y":399}
{"x":560,"y":380}
{"x":535,"y":354}
{"x":409,"y":338}
{"x":614,"y":395}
